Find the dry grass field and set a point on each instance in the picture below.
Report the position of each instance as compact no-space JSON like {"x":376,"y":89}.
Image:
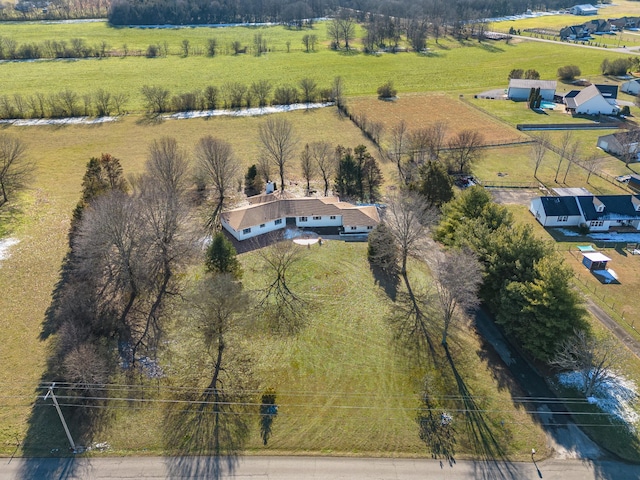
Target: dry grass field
{"x":422,"y":110}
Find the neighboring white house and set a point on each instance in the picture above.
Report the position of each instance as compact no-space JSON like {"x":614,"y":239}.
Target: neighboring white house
{"x":586,"y":9}
{"x":590,"y":101}
{"x":625,"y":144}
{"x":272,"y":213}
{"x":520,"y":89}
{"x":632,"y":87}
{"x":600,"y":213}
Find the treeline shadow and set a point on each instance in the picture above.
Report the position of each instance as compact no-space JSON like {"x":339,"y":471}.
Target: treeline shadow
{"x":205,"y":435}
{"x":494,"y":462}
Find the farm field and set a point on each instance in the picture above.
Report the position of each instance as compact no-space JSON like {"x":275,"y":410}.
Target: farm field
{"x":486,"y":64}
{"x":424,"y":110}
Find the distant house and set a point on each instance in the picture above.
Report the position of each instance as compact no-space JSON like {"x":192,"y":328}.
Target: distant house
{"x":597,"y":25}
{"x":621,"y":143}
{"x":609,"y":92}
{"x":586,"y":9}
{"x":519,"y":89}
{"x":272,"y":213}
{"x":599,"y":213}
{"x":632,"y":87}
{"x":634,"y":182}
{"x":575,"y":32}
{"x":591,"y":101}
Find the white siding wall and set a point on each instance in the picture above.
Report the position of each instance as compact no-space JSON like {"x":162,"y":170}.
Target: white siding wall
{"x":572,"y":221}
{"x":523,"y":93}
{"x":356,"y":229}
{"x":255,"y":230}
{"x":630,"y":87}
{"x":323,"y":221}
{"x":596,"y":105}
{"x":535,"y":207}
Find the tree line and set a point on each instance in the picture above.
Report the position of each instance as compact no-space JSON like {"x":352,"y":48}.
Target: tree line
{"x":10,"y":49}
{"x":63,"y":104}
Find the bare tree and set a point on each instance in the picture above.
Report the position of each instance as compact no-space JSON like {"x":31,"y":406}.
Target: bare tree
{"x":630,"y":142}
{"x":347,"y":27}
{"x":465,"y":149}
{"x":409,"y":218}
{"x":119,"y":101}
{"x":217,"y":165}
{"x":278,"y":143}
{"x":564,"y":145}
{"x":334,"y":32}
{"x":264,"y":168}
{"x":283,"y":304}
{"x":308,"y":87}
{"x":308,"y":166}
{"x":436,"y":135}
{"x":322,"y":154}
{"x":418,"y":145}
{"x":337,"y":93}
{"x":15,"y":169}
{"x":538,"y":152}
{"x":593,"y":358}
{"x":103,"y":103}
{"x":457,"y":281}
{"x":261,"y":90}
{"x":156,"y":98}
{"x":398,"y":147}
{"x":591,"y":164}
{"x":572,"y":156}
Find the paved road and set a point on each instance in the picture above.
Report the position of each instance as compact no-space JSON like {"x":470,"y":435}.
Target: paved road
{"x":302,"y":468}
{"x":631,"y":51}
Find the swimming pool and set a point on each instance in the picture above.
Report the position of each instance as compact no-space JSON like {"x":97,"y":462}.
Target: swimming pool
{"x":547,"y":105}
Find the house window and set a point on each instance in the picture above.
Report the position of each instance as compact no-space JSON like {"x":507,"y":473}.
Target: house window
{"x":563,"y":218}
{"x":303,"y":219}
{"x":354,"y":228}
{"x":332,"y":217}
{"x":596,"y":223}
{"x":246,"y":230}
{"x":369,"y":227}
{"x":262,"y":225}
{"x":317,"y":218}
{"x":278,"y":221}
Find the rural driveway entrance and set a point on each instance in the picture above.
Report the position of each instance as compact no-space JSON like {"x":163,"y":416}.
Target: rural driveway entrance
{"x":564,"y":437}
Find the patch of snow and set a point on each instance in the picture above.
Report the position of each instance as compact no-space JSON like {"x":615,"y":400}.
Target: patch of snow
{"x":5,"y":244}
{"x":616,"y":396}
{"x":291,"y":233}
{"x":567,"y":233}
{"x":34,"y":122}
{"x":246,"y":112}
{"x":603,"y":236}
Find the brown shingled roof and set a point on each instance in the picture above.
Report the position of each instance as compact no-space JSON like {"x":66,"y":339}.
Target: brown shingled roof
{"x":266,"y":211}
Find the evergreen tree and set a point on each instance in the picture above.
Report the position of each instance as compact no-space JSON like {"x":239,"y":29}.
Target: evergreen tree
{"x":435,"y":183}
{"x":221,"y":257}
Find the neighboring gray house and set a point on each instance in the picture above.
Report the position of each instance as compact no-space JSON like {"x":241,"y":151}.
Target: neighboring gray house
{"x":600,"y":213}
{"x":519,"y":89}
{"x":622,"y":144}
{"x":632,"y":87}
{"x":273,"y":213}
{"x":586,"y":9}
{"x":590,"y":101}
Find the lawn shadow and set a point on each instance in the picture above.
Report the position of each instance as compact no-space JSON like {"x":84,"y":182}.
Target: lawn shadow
{"x":150,"y":119}
{"x":205,"y":434}
{"x":490,"y":48}
{"x":388,"y":281}
{"x":493,"y":461}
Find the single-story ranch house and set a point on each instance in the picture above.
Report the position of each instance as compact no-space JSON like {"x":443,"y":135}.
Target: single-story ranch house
{"x":600,"y":213}
{"x":520,"y":89}
{"x":272,"y":213}
{"x":632,"y":87}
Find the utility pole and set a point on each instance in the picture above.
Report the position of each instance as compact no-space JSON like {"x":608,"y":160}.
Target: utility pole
{"x":64,"y":423}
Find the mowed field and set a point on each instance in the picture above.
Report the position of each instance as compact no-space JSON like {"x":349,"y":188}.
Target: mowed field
{"x":423,"y":110}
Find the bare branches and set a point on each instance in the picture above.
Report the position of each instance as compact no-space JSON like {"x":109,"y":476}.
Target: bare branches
{"x":464,"y":150}
{"x":322,"y":154}
{"x":457,"y":280}
{"x":409,"y":218}
{"x":15,"y":169}
{"x":219,"y":168}
{"x":278,"y":143}
{"x":538,"y":152}
{"x":594,"y":358}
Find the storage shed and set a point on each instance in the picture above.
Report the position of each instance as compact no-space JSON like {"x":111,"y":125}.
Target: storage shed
{"x":595,"y":261}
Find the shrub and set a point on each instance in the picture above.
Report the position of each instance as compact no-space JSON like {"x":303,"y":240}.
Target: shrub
{"x":387,"y":90}
{"x":153,"y":51}
{"x":568,"y":72}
